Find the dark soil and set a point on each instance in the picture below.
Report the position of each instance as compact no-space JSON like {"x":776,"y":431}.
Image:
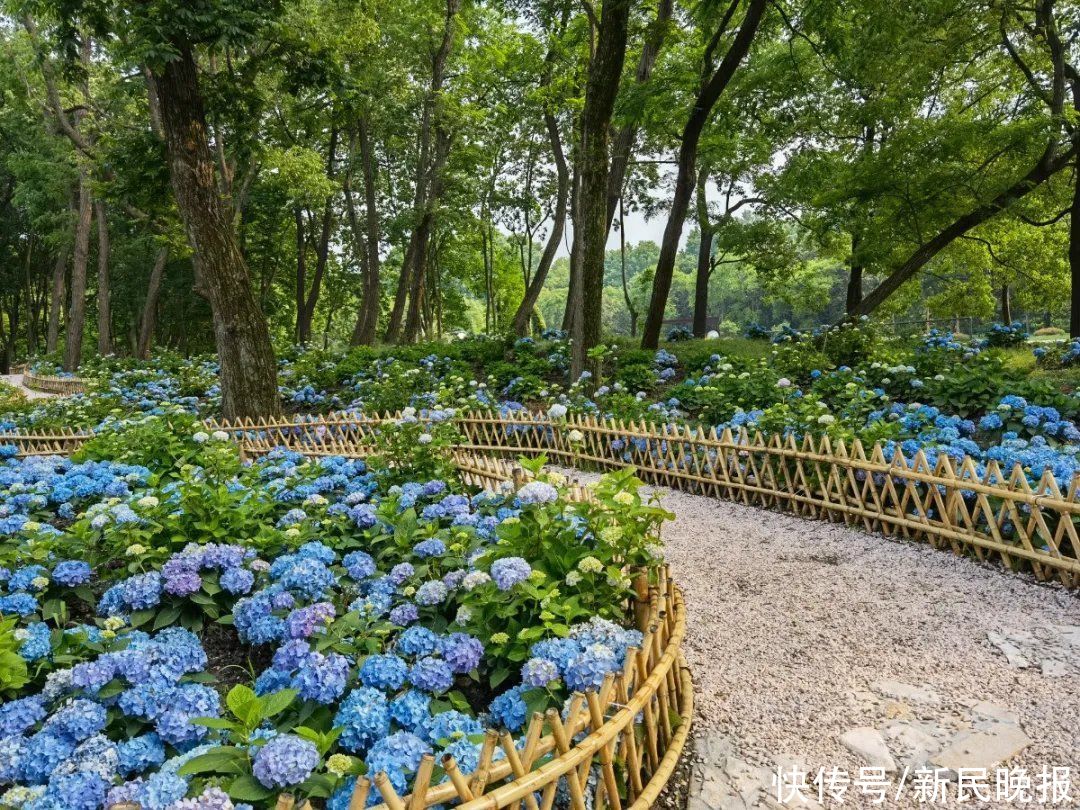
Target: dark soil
{"x":230,"y":661}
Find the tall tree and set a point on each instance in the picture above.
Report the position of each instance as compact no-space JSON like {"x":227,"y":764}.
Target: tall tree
{"x":715,"y":81}
{"x":605,"y":71}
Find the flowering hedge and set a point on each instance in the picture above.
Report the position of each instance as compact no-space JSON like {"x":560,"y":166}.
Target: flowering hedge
{"x":187,"y":630}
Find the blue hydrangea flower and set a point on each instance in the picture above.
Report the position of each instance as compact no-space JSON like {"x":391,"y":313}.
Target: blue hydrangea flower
{"x":429,"y":548}
{"x":433,"y":592}
{"x":37,"y":643}
{"x":140,"y":753}
{"x":322,"y":678}
{"x":509,"y":709}
{"x":364,"y":717}
{"x":71,"y":573}
{"x":77,"y":719}
{"x":387,"y":672}
{"x":443,"y":728}
{"x":410,"y":709}
{"x":404,"y":614}
{"x":398,"y":756}
{"x":509,"y":571}
{"x":237,"y":580}
{"x":431,"y":675}
{"x":462,"y":652}
{"x":19,"y":716}
{"x":537,"y":492}
{"x":359,"y":565}
{"x":418,"y":641}
{"x":539,"y":672}
{"x":285,"y":761}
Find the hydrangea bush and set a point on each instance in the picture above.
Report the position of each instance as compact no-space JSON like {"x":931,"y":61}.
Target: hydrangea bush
{"x":189,"y":630}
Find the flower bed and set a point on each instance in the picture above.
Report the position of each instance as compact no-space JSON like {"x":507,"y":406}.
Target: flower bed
{"x":940,"y":394}
{"x":200,"y":630}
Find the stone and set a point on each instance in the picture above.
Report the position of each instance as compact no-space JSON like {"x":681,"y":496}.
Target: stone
{"x":1070,"y":634}
{"x":992,"y":711}
{"x":897,"y":709}
{"x":1054,"y":668}
{"x":983,"y":749}
{"x":868,"y":744}
{"x":907,"y":692}
{"x":1012,"y":653}
{"x":912,"y":737}
{"x":713,"y":747}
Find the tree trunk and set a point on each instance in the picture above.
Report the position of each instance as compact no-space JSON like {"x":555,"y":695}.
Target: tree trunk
{"x":414,"y":268}
{"x":699,"y":116}
{"x":148,"y":321}
{"x":306,"y":309}
{"x":367,"y":323}
{"x":56,"y":300}
{"x":605,"y":70}
{"x":623,"y":143}
{"x":622,"y":268}
{"x":1006,"y":305}
{"x":245,"y":353}
{"x":572,"y":310}
{"x":424,"y":234}
{"x":397,"y":311}
{"x":854,"y":289}
{"x":104,"y":292}
{"x":704,"y":257}
{"x":301,"y":272}
{"x":558,"y":224}
{"x":1074,"y":254}
{"x":76,"y":318}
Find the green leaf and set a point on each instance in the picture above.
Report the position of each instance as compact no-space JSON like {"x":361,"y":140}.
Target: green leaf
{"x":241,"y":700}
{"x":141,"y":617}
{"x":277,"y":702}
{"x":214,"y":722}
{"x":167,"y":616}
{"x":248,"y":789}
{"x":223,"y":759}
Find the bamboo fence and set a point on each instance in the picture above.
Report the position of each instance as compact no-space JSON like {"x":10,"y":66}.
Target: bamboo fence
{"x":52,"y":384}
{"x":990,"y":514}
{"x":620,"y":743}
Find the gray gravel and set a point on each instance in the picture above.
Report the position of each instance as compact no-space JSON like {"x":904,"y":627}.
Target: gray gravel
{"x":793,"y":624}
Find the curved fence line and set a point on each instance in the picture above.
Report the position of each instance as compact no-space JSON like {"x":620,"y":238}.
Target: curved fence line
{"x":53,"y":385}
{"x":991,"y":514}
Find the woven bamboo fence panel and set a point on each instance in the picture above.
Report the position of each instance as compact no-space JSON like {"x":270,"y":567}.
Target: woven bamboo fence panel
{"x":993,"y":515}
{"x":54,"y":385}
{"x":57,"y":442}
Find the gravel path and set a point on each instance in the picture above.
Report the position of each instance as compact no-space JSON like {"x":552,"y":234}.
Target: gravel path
{"x":17,"y":381}
{"x":801,"y":631}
